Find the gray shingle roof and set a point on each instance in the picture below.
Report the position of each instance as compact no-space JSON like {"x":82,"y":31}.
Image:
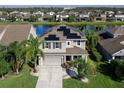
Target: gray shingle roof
{"x":53,"y":31}
{"x":75,"y":50}
{"x":112,"y":45}
{"x":15,"y":33}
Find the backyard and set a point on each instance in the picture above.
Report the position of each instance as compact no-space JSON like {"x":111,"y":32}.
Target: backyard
{"x":23,"y":80}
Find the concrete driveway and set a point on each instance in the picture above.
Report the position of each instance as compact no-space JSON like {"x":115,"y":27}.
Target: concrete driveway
{"x":50,"y":77}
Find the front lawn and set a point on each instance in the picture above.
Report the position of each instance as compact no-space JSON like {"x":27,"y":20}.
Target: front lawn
{"x":23,"y":80}
{"x":100,"y":81}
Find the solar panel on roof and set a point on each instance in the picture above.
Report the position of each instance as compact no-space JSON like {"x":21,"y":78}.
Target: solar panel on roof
{"x":52,"y":37}
{"x":66,"y":32}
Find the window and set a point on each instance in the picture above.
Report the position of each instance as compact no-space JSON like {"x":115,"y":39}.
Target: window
{"x":75,"y":57}
{"x":57,"y":45}
{"x":68,"y":43}
{"x":78,"y":42}
{"x":47,"y":45}
{"x":68,"y":58}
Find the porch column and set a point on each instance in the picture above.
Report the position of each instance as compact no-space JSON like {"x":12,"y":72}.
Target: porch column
{"x":113,"y":57}
{"x":40,"y":59}
{"x":72,"y":57}
{"x":64,"y":58}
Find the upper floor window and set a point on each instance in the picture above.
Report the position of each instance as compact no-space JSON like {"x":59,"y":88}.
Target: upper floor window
{"x":68,"y":43}
{"x":47,"y":45}
{"x":78,"y":42}
{"x":57,"y":45}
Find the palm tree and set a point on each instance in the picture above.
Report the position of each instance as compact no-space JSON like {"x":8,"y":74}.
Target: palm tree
{"x":16,"y":52}
{"x":80,"y":65}
{"x":4,"y":66}
{"x":33,"y":51}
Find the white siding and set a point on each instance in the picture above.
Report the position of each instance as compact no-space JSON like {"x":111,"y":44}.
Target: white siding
{"x":56,"y":50}
{"x":72,"y":44}
{"x":119,"y":53}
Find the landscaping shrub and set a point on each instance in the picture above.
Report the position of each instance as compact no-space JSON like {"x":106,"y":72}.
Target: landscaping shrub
{"x":118,"y":66}
{"x":4,"y":67}
{"x":119,"y":71}
{"x":91,"y":68}
{"x":80,"y":64}
{"x":96,"y":55}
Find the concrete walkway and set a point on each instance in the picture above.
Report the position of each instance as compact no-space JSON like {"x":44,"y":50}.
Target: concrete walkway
{"x":50,"y":77}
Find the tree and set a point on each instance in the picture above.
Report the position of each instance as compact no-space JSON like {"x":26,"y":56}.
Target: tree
{"x":91,"y":67}
{"x":80,"y":64}
{"x":4,"y":66}
{"x":71,"y":18}
{"x":16,"y":52}
{"x":33,"y":18}
{"x":118,"y":66}
{"x":92,"y":39}
{"x":96,"y":55}
{"x":33,"y":51}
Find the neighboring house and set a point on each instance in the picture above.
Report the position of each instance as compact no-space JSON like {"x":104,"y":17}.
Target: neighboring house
{"x":3,"y":18}
{"x":100,"y":17}
{"x":14,"y":12}
{"x":25,"y":13}
{"x":26,"y":18}
{"x":109,"y":13}
{"x":73,"y":13}
{"x":110,"y":19}
{"x":62,"y":17}
{"x":84,"y":17}
{"x":119,"y":16}
{"x":62,"y":44}
{"x":115,"y":31}
{"x":11,"y":33}
{"x":50,"y":13}
{"x":47,"y":17}
{"x":38,"y":13}
{"x":112,"y":43}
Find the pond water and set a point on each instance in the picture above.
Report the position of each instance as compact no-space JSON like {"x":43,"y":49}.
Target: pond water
{"x":89,"y":28}
{"x":40,"y":30}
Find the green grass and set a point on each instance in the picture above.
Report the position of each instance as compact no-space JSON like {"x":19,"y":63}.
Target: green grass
{"x":23,"y":80}
{"x":67,"y":23}
{"x":103,"y":79}
{"x":100,"y":81}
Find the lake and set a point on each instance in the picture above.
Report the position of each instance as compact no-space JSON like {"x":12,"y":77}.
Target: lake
{"x":40,"y":30}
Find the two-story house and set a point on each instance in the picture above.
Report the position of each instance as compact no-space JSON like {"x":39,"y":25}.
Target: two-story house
{"x":62,"y":44}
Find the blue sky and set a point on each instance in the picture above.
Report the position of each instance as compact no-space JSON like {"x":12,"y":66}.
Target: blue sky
{"x":66,"y":6}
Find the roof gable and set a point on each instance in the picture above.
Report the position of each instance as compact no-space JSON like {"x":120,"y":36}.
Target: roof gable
{"x":61,"y":33}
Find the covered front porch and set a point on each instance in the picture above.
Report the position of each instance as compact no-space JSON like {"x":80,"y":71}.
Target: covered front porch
{"x":70,"y":57}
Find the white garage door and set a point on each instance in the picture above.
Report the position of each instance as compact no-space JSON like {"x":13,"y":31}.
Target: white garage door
{"x":52,"y":60}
